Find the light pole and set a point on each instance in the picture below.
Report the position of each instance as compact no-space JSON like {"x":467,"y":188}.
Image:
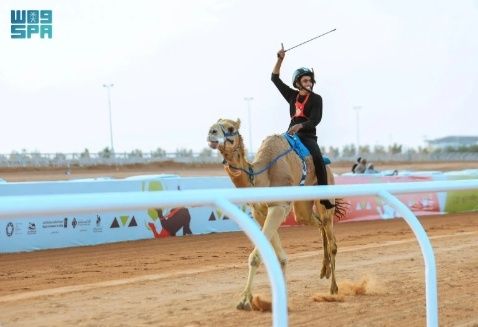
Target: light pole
{"x":248,"y":100}
{"x":108,"y":88}
{"x":357,"y":111}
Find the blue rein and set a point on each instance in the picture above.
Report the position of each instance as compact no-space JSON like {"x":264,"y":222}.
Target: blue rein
{"x":253,"y":173}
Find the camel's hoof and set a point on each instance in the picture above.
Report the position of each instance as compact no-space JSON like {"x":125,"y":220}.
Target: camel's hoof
{"x":334,"y":289}
{"x":326,"y":271}
{"x":245,"y":304}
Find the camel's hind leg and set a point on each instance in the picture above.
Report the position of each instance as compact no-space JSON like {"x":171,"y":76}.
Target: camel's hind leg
{"x":328,"y":226}
{"x":326,"y":218}
{"x":304,"y":214}
{"x":326,"y":269}
{"x":328,"y":237}
{"x":275,"y":217}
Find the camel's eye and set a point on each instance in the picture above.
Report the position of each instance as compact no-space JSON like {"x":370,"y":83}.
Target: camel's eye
{"x":230,"y":129}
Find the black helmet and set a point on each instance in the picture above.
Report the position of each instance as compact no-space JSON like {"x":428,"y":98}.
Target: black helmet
{"x":302,"y":72}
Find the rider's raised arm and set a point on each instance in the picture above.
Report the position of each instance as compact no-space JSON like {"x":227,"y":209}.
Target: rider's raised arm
{"x":285,"y":90}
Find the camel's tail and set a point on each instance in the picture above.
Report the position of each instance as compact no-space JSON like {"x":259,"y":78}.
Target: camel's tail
{"x":341,"y":208}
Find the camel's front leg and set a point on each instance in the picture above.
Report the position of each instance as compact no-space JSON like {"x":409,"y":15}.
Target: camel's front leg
{"x":246,"y":296}
{"x":275,"y":216}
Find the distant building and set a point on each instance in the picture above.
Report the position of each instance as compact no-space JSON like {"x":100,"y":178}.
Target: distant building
{"x":453,"y":141}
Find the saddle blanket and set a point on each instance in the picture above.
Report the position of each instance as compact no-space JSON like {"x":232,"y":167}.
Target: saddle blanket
{"x":299,"y":148}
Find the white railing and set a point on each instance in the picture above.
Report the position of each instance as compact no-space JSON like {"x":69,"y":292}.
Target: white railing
{"x":36,"y":205}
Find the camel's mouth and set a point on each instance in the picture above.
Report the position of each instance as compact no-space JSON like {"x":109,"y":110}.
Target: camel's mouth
{"x":213,"y":144}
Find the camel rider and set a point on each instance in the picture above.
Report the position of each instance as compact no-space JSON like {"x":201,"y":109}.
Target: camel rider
{"x":306,"y":113}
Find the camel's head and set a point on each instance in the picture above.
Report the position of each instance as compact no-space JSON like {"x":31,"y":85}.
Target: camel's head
{"x":224,"y":134}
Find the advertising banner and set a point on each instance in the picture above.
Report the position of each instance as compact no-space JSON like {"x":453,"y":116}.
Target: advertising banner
{"x":35,"y":233}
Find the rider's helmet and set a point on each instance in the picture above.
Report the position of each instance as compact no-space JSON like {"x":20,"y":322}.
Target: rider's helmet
{"x":302,"y":72}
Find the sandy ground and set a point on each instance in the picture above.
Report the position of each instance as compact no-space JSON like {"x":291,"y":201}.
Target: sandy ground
{"x":197,"y":280}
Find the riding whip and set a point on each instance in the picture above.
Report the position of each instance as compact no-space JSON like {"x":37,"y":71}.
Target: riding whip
{"x":295,"y":46}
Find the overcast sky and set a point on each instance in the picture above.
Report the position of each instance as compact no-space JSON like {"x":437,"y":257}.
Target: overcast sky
{"x":178,"y":66}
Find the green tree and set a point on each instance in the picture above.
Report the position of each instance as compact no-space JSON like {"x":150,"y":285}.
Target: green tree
{"x":184,"y":153}
{"x":35,"y":155}
{"x":423,"y":150}
{"x":136,"y":153}
{"x":379,"y":149}
{"x":14,"y":155}
{"x":364,"y":149}
{"x":411,"y":151}
{"x":85,"y":154}
{"x":60,"y":156}
{"x":334,"y":152}
{"x":395,"y":148}
{"x":158,"y":153}
{"x":205,"y":153}
{"x":106,"y":153}
{"x":348,"y":150}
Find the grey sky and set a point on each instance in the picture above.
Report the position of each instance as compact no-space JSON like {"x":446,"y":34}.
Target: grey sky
{"x":178,"y":66}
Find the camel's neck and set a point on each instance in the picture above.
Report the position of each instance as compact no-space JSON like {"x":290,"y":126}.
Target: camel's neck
{"x":236,"y":167}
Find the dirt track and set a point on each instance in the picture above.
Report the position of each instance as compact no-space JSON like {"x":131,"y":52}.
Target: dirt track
{"x":196,"y":281}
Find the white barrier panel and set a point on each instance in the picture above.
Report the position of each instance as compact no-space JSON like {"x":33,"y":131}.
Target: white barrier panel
{"x":38,"y":232}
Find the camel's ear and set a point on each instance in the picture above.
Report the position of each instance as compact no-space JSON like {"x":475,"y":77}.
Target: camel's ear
{"x":238,"y":123}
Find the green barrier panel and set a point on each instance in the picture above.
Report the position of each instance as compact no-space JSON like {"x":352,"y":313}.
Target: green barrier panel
{"x":461,"y":201}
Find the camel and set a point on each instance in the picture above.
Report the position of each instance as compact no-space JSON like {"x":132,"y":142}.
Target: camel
{"x":275,"y":165}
